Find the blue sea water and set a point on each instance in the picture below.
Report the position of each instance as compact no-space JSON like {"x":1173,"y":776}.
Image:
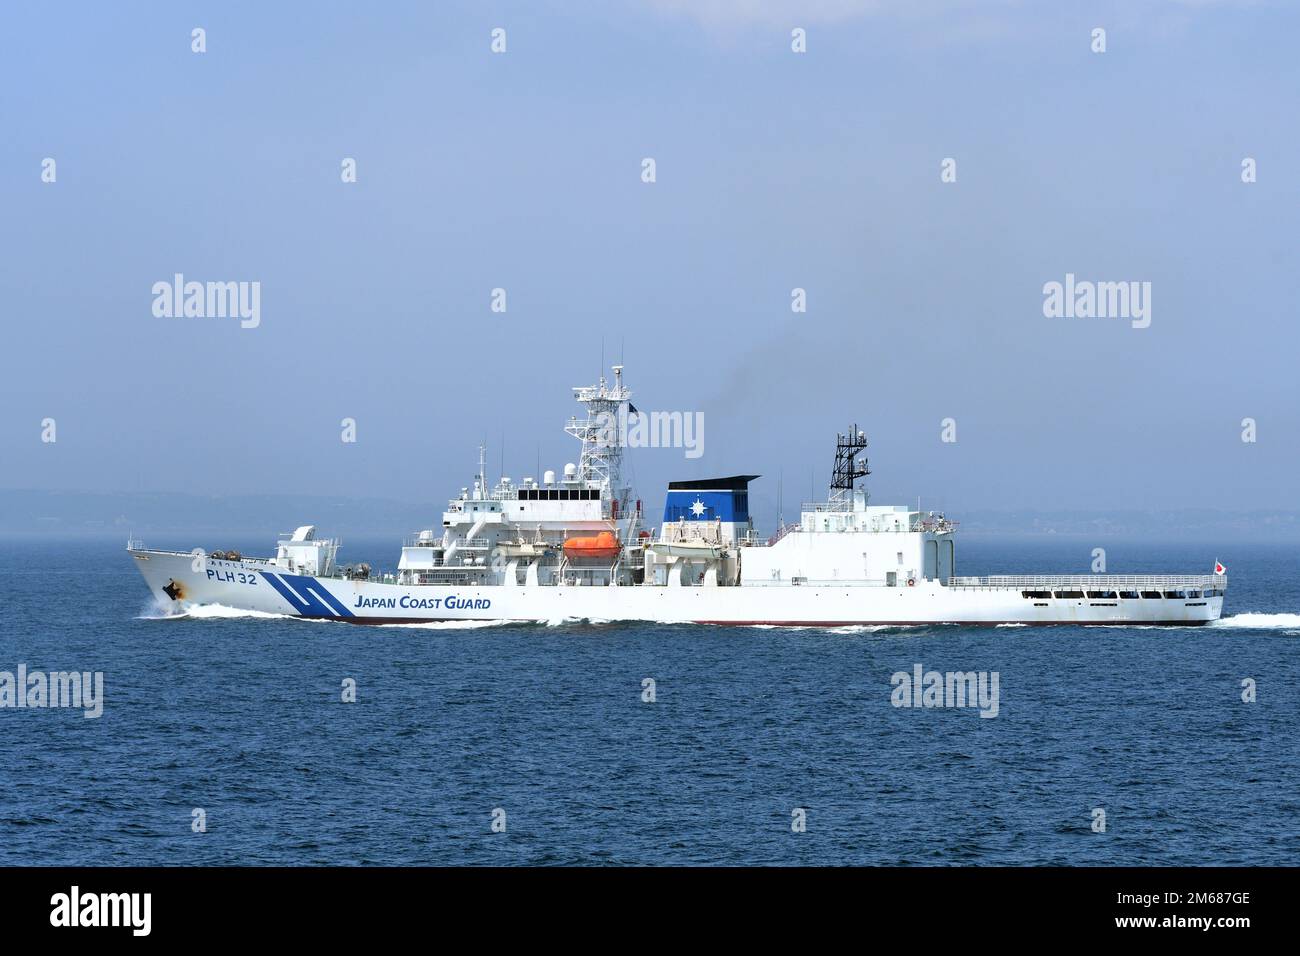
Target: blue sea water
{"x":241,"y":716}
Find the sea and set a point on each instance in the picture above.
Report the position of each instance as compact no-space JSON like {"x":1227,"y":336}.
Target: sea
{"x":225,"y":737}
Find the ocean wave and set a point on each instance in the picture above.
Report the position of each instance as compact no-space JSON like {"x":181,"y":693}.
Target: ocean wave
{"x":568,"y":621}
{"x":1255,"y":620}
{"x":449,"y":625}
{"x":830,"y":628}
{"x":205,"y":612}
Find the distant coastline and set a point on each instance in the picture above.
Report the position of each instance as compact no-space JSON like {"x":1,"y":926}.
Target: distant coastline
{"x":68,"y":514}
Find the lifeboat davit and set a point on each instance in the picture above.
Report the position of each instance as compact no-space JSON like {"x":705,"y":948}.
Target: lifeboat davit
{"x":602,"y":545}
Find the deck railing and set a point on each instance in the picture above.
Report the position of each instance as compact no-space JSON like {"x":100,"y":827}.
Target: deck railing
{"x":830,"y":507}
{"x":1093,"y":582}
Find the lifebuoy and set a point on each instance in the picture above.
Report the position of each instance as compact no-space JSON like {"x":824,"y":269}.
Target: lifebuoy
{"x":911,"y":582}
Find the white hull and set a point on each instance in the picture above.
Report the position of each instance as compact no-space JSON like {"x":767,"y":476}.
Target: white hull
{"x":258,"y":586}
{"x":579,"y":547}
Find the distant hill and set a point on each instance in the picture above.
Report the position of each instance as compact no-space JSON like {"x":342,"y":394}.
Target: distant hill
{"x":1189,"y":523}
{"x":68,"y":513}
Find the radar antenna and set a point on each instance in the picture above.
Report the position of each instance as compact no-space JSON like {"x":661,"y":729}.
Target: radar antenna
{"x":848,"y":466}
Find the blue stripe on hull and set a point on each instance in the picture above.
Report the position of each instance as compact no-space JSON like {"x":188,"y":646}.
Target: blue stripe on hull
{"x":307,"y":596}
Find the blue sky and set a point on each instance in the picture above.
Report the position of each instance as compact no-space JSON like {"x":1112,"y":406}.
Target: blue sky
{"x":774,"y":171}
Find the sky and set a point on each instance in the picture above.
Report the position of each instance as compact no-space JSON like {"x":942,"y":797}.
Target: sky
{"x":774,"y":171}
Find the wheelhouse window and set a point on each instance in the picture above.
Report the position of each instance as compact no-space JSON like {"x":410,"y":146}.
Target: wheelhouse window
{"x":559,"y":494}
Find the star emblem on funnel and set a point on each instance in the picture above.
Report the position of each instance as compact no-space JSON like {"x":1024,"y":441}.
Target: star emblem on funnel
{"x":698,"y":508}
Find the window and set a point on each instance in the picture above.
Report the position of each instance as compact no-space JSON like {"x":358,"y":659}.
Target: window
{"x":1069,"y":594}
{"x":1151,"y":594}
{"x":1129,"y":595}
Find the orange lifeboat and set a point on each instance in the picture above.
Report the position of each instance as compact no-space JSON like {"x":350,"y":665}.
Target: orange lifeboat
{"x":602,"y":545}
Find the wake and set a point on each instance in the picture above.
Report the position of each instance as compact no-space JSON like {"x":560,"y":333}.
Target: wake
{"x":448,"y":625}
{"x":1259,"y":622}
{"x":1250,"y":620}
{"x":206,"y":612}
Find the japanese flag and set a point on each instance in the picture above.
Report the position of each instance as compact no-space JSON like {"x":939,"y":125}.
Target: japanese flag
{"x":1219,"y":569}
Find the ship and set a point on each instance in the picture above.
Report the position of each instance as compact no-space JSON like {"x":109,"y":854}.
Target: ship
{"x":579,"y":546}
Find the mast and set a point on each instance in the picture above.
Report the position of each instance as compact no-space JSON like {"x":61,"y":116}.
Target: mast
{"x":482,"y":471}
{"x":848,"y":466}
{"x":601,"y":435}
